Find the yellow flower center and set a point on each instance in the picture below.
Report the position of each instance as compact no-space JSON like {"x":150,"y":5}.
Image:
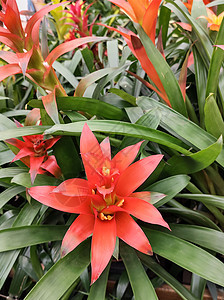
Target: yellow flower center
{"x":105,"y":171}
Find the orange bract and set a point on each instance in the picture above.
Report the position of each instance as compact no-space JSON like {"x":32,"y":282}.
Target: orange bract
{"x":214,"y":21}
{"x":144,"y":12}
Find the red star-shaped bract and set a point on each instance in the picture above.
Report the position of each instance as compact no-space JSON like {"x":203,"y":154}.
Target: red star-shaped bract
{"x":33,"y":152}
{"x":105,"y":200}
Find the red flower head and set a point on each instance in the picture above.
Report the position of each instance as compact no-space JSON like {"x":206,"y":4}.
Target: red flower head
{"x":105,"y":200}
{"x":33,"y":153}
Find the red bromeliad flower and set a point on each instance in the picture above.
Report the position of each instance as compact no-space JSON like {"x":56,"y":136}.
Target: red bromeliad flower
{"x":105,"y":200}
{"x":33,"y":153}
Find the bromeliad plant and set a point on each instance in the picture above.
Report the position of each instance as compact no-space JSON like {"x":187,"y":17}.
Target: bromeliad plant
{"x":33,"y":150}
{"x":102,"y":207}
{"x":105,"y":200}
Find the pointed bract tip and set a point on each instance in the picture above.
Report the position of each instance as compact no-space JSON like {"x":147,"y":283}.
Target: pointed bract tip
{"x":63,"y":252}
{"x":150,"y":252}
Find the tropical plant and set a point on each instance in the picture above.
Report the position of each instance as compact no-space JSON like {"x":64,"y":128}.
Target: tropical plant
{"x":148,"y":82}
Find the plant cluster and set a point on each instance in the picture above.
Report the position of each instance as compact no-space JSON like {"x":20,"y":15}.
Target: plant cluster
{"x":111,"y":151}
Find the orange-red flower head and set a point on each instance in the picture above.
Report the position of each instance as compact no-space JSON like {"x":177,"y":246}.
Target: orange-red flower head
{"x":105,"y":200}
{"x":144,"y":12}
{"x":214,"y":21}
{"x":33,"y":152}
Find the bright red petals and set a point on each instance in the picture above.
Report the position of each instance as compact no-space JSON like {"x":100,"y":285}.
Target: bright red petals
{"x":131,"y":233}
{"x":103,"y":244}
{"x":51,"y":166}
{"x":8,"y":70}
{"x":74,"y":187}
{"x":105,"y":201}
{"x":126,"y":156}
{"x":33,"y":150}
{"x":80,"y":230}
{"x":23,"y":153}
{"x":105,"y":147}
{"x":146,"y":196}
{"x":143,"y":211}
{"x":136,"y":174}
{"x":88,"y":142}
{"x":35,"y":164}
{"x":46,"y":196}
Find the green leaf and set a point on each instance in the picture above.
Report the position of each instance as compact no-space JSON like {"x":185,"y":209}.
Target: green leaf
{"x":194,"y":162}
{"x":6,"y":156}
{"x":166,"y":276}
{"x":207,"y":199}
{"x":165,"y":73}
{"x":198,"y":286}
{"x":187,"y":255}
{"x":201,"y":79}
{"x":113,"y":53}
{"x":88,"y":58}
{"x":205,"y":237}
{"x":140,"y":283}
{"x":24,"y":180}
{"x":90,"y":79}
{"x":110,"y":76}
{"x":89,"y":105}
{"x":127,"y":97}
{"x":54,"y":283}
{"x":22,"y":131}
{"x":178,"y":125}
{"x":59,"y":67}
{"x":191,"y":215}
{"x":10,"y":193}
{"x":213,"y":119}
{"x":11,"y":172}
{"x":215,"y":64}
{"x":67,"y":157}
{"x":20,"y":237}
{"x":170,"y":186}
{"x":98,"y":289}
{"x":7,"y":259}
{"x":114,"y":127}
{"x":35,"y":261}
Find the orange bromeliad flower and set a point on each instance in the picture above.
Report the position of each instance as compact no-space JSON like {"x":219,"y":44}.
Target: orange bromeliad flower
{"x":105,"y":200}
{"x":214,"y":21}
{"x":144,"y":12}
